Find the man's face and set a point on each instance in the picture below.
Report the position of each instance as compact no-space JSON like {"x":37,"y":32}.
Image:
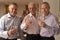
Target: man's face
{"x":45,"y":9}
{"x":31,"y":9}
{"x":13,"y":10}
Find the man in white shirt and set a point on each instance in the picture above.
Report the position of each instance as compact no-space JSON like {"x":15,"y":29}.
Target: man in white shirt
{"x":10,"y":23}
{"x":48,"y":23}
{"x":30,"y":24}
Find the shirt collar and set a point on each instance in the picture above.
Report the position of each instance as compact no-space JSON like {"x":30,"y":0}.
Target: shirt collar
{"x":45,"y":17}
{"x":32,"y":15}
{"x":8,"y":15}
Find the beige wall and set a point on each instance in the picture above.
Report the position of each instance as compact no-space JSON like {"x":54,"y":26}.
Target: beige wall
{"x":53,"y":3}
{"x":21,"y":6}
{"x":1,"y":9}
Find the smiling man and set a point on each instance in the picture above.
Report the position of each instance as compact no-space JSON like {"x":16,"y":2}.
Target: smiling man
{"x":9,"y":24}
{"x":30,"y":23}
{"x":48,"y":23}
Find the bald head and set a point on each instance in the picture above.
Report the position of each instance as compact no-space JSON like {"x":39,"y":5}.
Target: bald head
{"x":13,"y":9}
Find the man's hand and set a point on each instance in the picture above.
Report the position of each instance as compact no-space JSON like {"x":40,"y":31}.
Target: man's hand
{"x":41,"y":23}
{"x":28,"y":22}
{"x":11,"y":32}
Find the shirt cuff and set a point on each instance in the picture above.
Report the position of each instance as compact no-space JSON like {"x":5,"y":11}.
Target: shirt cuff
{"x":23,"y":26}
{"x":5,"y":35}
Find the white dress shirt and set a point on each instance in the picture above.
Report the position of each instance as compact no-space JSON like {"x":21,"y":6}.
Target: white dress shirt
{"x":8,"y":22}
{"x":33,"y":27}
{"x":52,"y":25}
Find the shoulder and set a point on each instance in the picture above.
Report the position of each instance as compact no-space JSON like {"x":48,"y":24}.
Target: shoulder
{"x":54,"y":17}
{"x":3,"y":17}
{"x":27,"y":16}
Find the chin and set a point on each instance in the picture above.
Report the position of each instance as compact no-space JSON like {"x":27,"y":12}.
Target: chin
{"x":13,"y":15}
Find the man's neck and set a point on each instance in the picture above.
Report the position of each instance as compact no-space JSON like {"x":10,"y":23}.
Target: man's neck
{"x":12,"y":15}
{"x":34,"y":15}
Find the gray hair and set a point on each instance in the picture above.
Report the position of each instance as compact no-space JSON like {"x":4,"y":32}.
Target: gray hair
{"x":32,"y":3}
